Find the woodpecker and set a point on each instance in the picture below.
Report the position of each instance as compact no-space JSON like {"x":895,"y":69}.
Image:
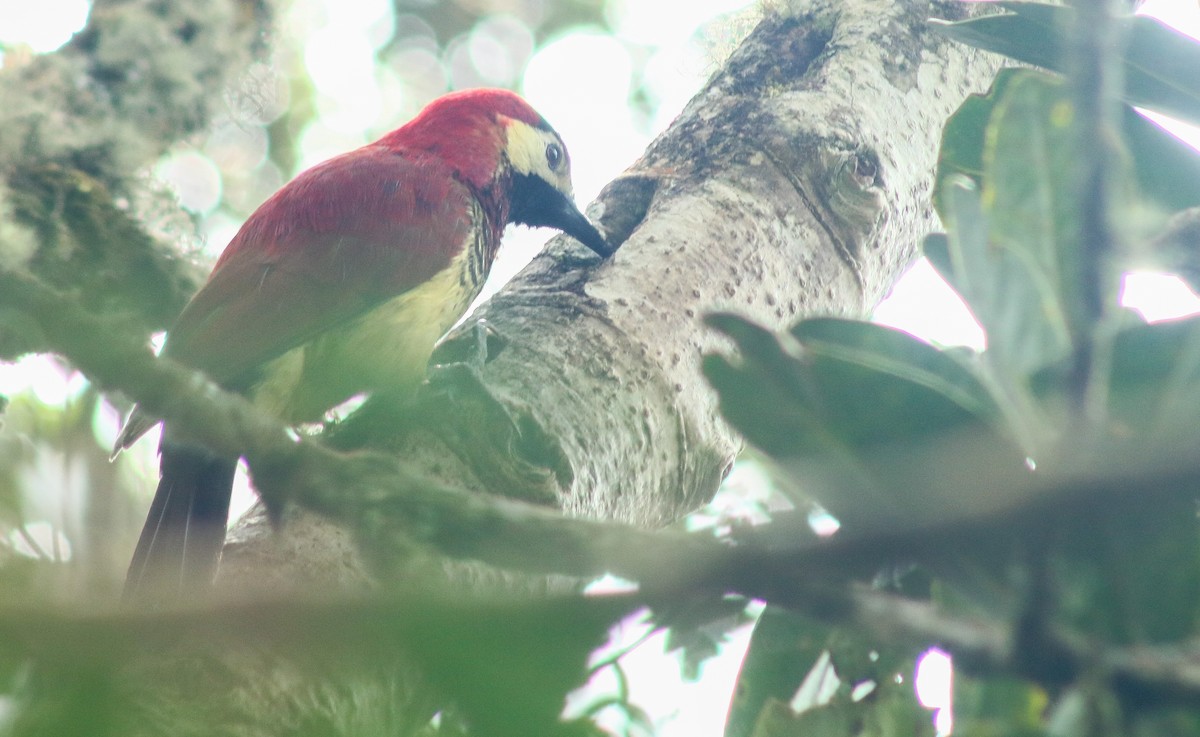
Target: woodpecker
{"x":340,"y":284}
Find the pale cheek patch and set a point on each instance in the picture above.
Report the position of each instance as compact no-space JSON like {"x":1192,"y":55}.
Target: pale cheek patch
{"x":526,"y":148}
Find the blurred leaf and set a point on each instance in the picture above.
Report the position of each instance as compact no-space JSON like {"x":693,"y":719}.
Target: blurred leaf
{"x":1017,"y":310}
{"x":1087,"y":710}
{"x":18,"y":573}
{"x":698,"y":629}
{"x":778,"y":720}
{"x":509,"y":669}
{"x":79,"y":701}
{"x":1154,"y":384}
{"x":1129,"y":572}
{"x":782,"y":649}
{"x":1159,"y":63}
{"x":785,"y":648}
{"x":900,"y":714}
{"x":1001,"y":289}
{"x":1029,"y":196}
{"x":1175,"y":721}
{"x":1154,"y":381}
{"x":1029,"y":34}
{"x":506,"y":666}
{"x":896,"y":353}
{"x":16,"y":452}
{"x":855,"y":416}
{"x":1013,"y":249}
{"x":896,"y":714}
{"x":847,"y":386}
{"x":964,"y":135}
{"x":1167,"y":170}
{"x":767,"y":395}
{"x":999,"y":705}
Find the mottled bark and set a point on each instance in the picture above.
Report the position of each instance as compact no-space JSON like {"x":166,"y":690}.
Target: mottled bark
{"x":78,"y":129}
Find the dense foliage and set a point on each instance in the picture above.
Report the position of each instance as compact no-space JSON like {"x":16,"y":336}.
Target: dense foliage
{"x":1038,"y":496}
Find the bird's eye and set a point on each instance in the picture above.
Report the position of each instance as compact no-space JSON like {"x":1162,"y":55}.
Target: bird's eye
{"x":554,"y":155}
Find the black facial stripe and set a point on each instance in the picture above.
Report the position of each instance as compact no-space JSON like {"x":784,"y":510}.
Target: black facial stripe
{"x":534,"y":201}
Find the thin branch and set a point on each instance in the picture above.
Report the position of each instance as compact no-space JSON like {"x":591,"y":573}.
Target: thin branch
{"x":987,"y":648}
{"x":1095,"y":85}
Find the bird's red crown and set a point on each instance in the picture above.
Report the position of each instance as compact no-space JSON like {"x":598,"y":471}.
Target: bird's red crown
{"x":466,"y":129}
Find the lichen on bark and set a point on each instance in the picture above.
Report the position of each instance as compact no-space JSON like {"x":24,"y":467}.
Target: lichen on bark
{"x":80,"y":127}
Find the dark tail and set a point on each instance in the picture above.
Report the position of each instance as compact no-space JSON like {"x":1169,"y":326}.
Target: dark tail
{"x":177,"y":554}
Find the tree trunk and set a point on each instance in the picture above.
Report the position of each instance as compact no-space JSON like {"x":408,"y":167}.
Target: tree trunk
{"x":795,"y":184}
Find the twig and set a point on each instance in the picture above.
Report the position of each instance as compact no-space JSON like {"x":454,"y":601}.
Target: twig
{"x":1095,"y":83}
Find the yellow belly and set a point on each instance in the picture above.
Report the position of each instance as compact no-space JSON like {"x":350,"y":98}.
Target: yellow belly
{"x":385,"y":349}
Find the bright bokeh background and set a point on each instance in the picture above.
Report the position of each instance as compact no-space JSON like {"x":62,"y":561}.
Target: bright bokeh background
{"x":609,"y":80}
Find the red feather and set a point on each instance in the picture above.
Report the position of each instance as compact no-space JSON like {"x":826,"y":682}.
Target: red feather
{"x":340,"y":239}
{"x":464,"y":129}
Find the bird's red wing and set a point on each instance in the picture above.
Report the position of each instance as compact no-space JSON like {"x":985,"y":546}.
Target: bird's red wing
{"x":338,"y":240}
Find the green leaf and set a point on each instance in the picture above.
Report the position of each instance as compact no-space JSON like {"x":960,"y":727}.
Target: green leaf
{"x":1160,"y":69}
{"x":509,"y":667}
{"x":1129,"y":572}
{"x":1179,"y":721}
{"x":1024,"y":334}
{"x":1014,"y":250}
{"x":784,"y":649}
{"x":764,"y":395}
{"x":997,"y":706}
{"x":503,"y":665}
{"x":963,"y":137}
{"x":843,"y":391}
{"x":1007,"y":194}
{"x":1030,"y":195}
{"x":1022,"y":36}
{"x":1158,"y":63}
{"x":854,"y":415}
{"x":1154,"y":383}
{"x":898,"y":354}
{"x":1167,"y":169}
{"x":1007,"y":273}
